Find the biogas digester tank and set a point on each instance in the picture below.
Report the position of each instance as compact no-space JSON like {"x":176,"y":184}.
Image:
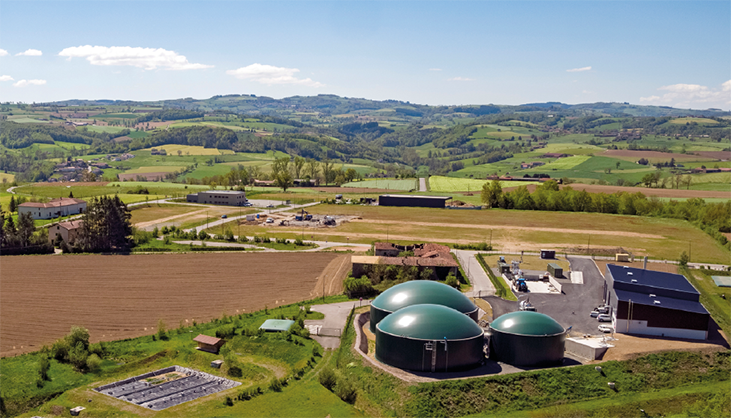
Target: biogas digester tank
{"x":419,"y":292}
{"x":526,"y":338}
{"x":429,"y":338}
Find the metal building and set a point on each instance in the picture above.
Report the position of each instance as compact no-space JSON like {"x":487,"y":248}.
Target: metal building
{"x":526,"y":338}
{"x":219,"y":197}
{"x":413,"y":201}
{"x":654,"y":303}
{"x":419,"y":292}
{"x":429,"y":338}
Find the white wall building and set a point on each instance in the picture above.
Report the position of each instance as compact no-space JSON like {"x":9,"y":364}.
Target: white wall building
{"x":62,"y":206}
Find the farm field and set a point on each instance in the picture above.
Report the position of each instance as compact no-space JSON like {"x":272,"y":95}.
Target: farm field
{"x":669,"y":193}
{"x":160,"y":212}
{"x":453,"y":184}
{"x":389,"y":184}
{"x":155,"y":169}
{"x":172,"y":150}
{"x":653,"y":156}
{"x":565,"y":163}
{"x":514,"y":230}
{"x":107,"y":129}
{"x":125,"y":296}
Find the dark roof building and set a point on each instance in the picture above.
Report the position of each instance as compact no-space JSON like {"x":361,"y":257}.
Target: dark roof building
{"x":413,"y":201}
{"x":654,"y":303}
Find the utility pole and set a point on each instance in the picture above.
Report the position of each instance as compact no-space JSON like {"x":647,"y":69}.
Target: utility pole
{"x":689,"y":248}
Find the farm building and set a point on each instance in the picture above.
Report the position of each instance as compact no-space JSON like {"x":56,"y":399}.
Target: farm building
{"x":429,"y":337}
{"x":526,"y":338}
{"x":654,"y":303}
{"x":440,"y":266}
{"x":219,"y":197}
{"x":413,"y":201}
{"x":387,"y":249}
{"x":416,"y":293}
{"x":68,"y":231}
{"x":63,"y":206}
{"x":209,"y":344}
{"x":548,"y":254}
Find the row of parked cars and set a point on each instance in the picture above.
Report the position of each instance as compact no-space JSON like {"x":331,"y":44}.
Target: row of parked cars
{"x":601,"y":313}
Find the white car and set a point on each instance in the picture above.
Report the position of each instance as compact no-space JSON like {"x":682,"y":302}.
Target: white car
{"x":270,"y":220}
{"x":594,"y":314}
{"x":604,"y":318}
{"x":605,"y":328}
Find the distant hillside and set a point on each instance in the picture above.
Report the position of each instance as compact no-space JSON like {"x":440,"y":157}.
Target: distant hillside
{"x":335,"y":105}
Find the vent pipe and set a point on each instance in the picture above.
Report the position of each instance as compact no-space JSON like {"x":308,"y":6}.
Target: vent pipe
{"x":644,"y":264}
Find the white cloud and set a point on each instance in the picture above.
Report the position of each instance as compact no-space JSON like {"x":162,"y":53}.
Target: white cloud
{"x":435,"y":69}
{"x":587,"y":92}
{"x":30,"y":53}
{"x":3,"y":52}
{"x":147,"y":58}
{"x":24,"y":83}
{"x":270,"y":75}
{"x":577,"y":70}
{"x":460,"y":79}
{"x":6,"y":78}
{"x":692,"y":95}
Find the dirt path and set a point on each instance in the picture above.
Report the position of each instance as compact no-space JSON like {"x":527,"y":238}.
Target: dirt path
{"x":516,"y":228}
{"x":631,"y":346}
{"x":332,"y":277}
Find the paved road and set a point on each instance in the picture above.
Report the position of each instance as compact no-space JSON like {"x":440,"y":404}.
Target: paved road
{"x":572,"y":307}
{"x":422,"y":184}
{"x":481,"y":284}
{"x":335,"y":316}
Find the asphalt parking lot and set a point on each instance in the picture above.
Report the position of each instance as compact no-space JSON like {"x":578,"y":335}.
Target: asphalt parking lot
{"x":572,"y":307}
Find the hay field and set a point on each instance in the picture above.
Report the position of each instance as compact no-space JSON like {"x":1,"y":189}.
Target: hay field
{"x":118,"y":296}
{"x":454,"y":184}
{"x":155,"y":169}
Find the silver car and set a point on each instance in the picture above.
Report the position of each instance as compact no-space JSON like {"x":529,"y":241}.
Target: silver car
{"x":604,"y":318}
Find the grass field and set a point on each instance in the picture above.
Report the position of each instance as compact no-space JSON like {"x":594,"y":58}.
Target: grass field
{"x":6,"y":178}
{"x":159,"y":212}
{"x":106,"y":129}
{"x":523,"y":230}
{"x":172,"y":150}
{"x":565,"y":163}
{"x":155,"y":169}
{"x":453,"y":184}
{"x":27,"y":120}
{"x":718,"y":306}
{"x":699,"y":121}
{"x":390,"y":184}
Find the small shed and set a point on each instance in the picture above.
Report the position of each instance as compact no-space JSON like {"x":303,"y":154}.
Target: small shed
{"x":548,"y":254}
{"x":216,"y":364}
{"x":76,"y":410}
{"x":555,"y":270}
{"x":209,"y":344}
{"x":277,"y":325}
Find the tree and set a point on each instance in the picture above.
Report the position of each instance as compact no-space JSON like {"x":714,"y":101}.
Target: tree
{"x":284,"y":180}
{"x":299,"y":163}
{"x":26,"y":228}
{"x":106,"y":225}
{"x":492,"y":193}
{"x":313,"y":170}
{"x":13,"y":204}
{"x":617,"y":164}
{"x":327,"y":170}
{"x":684,"y":259}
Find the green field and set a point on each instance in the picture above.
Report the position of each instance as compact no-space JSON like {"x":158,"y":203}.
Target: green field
{"x":172,"y":150}
{"x":106,"y":129}
{"x":28,"y":120}
{"x":700,"y":121}
{"x":155,"y":169}
{"x":454,"y":184}
{"x":390,"y":184}
{"x":117,"y":115}
{"x":565,"y":163}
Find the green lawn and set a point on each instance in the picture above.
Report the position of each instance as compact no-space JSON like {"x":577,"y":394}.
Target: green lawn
{"x":391,"y":184}
{"x":452,"y":184}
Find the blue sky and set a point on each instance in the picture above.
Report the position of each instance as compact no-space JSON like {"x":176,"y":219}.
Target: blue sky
{"x":675,"y":53}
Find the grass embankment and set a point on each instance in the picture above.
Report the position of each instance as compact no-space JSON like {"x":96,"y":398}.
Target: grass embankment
{"x":502,"y":289}
{"x":718,"y":306}
{"x":262,"y":358}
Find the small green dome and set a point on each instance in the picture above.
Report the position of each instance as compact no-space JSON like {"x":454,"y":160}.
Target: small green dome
{"x":527,"y":323}
{"x":418,"y":292}
{"x":429,"y":322}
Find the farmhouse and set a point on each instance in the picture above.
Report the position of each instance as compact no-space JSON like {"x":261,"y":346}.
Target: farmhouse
{"x":654,"y":303}
{"x":68,"y":231}
{"x":413,"y":201}
{"x":209,"y":344}
{"x":426,"y":256}
{"x":62,"y":206}
{"x":219,"y":197}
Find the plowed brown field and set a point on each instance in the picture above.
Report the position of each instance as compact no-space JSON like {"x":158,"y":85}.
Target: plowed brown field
{"x":117,"y":296}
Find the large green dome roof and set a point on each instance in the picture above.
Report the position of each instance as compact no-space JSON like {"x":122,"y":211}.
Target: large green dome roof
{"x":419,"y":292}
{"x":527,"y":323}
{"x":430,"y":322}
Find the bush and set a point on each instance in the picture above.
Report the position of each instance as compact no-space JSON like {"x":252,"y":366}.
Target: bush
{"x":242,"y":238}
{"x":275,"y":385}
{"x":203,"y":235}
{"x":93,"y":363}
{"x":452,"y":281}
{"x":235,"y":371}
{"x":229,"y":401}
{"x":298,"y":242}
{"x":60,"y":350}
{"x":43,"y":366}
{"x":78,"y":356}
{"x":346,"y":391}
{"x":162,"y":330}
{"x":327,"y":378}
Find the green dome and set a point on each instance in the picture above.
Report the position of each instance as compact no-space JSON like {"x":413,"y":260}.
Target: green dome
{"x":418,"y":292}
{"x":429,"y":322}
{"x":527,"y":323}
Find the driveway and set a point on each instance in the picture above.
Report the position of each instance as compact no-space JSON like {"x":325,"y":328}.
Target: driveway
{"x":336,"y":314}
{"x":481,"y":284}
{"x":572,"y":307}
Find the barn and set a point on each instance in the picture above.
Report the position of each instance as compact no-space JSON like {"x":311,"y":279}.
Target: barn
{"x":208,"y":343}
{"x":654,"y":303}
{"x":413,"y":201}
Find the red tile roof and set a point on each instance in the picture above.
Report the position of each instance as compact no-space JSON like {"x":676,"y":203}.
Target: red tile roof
{"x":55,"y":203}
{"x":71,"y":224}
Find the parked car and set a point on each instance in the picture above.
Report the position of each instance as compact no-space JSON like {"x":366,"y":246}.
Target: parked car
{"x":248,"y":204}
{"x":224,"y":216}
{"x":270,"y":205}
{"x":594,"y":314}
{"x":605,"y":328}
{"x":604,"y":318}
{"x":602,"y":309}
{"x":270,"y":220}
